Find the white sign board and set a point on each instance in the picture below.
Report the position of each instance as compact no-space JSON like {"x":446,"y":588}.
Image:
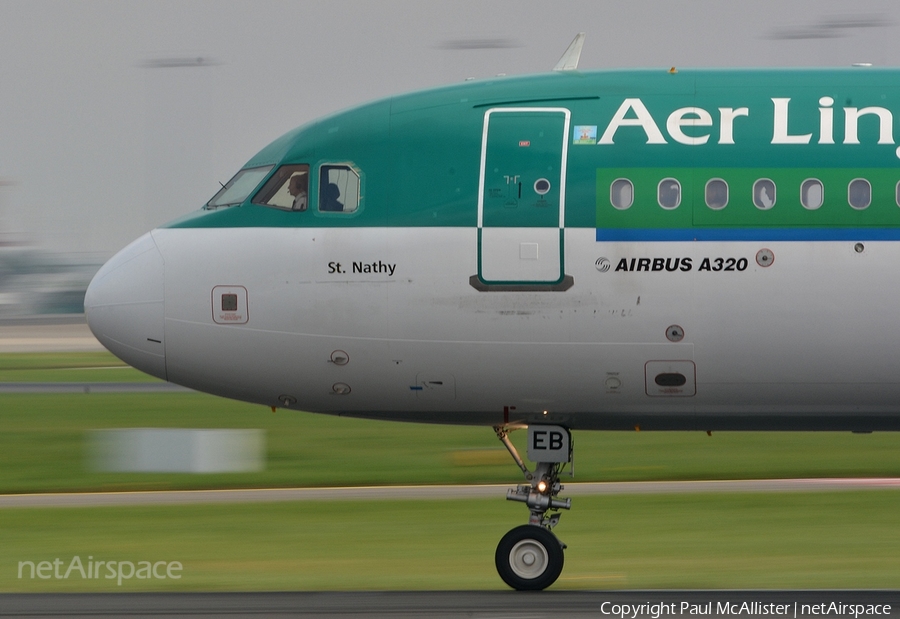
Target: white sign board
{"x":549,"y":444}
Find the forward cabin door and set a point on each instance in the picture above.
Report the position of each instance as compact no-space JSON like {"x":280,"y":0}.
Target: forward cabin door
{"x":522,"y":196}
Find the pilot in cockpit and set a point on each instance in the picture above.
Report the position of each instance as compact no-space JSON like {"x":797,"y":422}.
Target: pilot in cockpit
{"x":297,"y":188}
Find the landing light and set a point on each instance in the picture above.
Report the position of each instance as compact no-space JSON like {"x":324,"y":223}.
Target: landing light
{"x":542,"y":486}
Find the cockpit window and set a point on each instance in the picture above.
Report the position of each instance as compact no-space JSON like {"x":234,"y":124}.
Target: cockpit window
{"x":338,"y":189}
{"x":239,"y":187}
{"x":288,"y":189}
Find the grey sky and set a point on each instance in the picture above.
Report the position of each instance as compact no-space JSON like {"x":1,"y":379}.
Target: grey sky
{"x":102,"y":138}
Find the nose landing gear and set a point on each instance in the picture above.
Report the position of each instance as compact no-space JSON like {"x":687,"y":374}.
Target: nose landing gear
{"x":530,"y":557}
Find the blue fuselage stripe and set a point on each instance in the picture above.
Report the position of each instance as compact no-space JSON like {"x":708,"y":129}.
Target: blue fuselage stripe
{"x":612,"y":235}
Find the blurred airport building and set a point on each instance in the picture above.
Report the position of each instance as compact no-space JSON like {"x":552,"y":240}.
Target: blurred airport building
{"x":42,"y":300}
{"x":34,"y":282}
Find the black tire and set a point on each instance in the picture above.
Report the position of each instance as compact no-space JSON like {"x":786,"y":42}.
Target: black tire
{"x":529,"y":558}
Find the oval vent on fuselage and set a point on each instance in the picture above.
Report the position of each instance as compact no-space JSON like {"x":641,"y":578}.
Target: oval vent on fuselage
{"x":671,"y":379}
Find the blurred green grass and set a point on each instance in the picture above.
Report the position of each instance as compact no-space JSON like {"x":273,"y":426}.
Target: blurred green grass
{"x":43,"y":448}
{"x":716,"y":541}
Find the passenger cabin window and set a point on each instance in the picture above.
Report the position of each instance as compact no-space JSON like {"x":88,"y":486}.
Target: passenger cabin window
{"x":287,"y":189}
{"x":859,"y":193}
{"x":239,"y":187}
{"x":812,"y":194}
{"x":668,"y":193}
{"x":716,"y":194}
{"x":897,"y":193}
{"x":764,"y":194}
{"x":621,"y":193}
{"x":338,"y":189}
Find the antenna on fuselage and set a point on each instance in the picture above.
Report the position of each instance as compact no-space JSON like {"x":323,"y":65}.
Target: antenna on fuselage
{"x":569,"y":60}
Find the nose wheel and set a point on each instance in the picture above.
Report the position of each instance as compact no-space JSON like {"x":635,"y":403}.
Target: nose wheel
{"x":530,"y":557}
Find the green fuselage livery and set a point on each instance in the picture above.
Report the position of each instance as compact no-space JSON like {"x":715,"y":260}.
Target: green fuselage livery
{"x":419,"y":155}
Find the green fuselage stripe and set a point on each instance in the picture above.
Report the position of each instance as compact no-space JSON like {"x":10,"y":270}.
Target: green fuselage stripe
{"x":419,"y":155}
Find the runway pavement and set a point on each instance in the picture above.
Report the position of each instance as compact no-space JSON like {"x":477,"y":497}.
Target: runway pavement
{"x":274,"y":495}
{"x":504,"y":604}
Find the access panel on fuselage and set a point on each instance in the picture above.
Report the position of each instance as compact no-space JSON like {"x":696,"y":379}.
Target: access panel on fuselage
{"x":522,"y":195}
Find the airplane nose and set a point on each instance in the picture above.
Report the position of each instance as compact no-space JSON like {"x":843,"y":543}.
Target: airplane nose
{"x":125,"y":309}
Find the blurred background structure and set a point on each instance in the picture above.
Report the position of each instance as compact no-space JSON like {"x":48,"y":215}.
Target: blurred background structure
{"x":119,"y":116}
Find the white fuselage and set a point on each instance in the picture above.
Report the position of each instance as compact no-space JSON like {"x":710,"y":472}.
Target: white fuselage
{"x":396,"y":331}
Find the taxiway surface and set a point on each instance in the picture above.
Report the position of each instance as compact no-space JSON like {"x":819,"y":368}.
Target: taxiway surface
{"x":452,"y":604}
{"x":274,"y":495}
